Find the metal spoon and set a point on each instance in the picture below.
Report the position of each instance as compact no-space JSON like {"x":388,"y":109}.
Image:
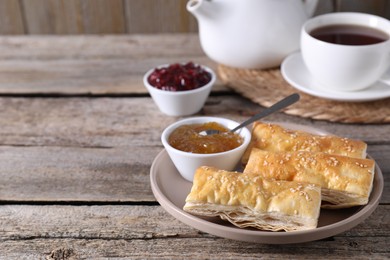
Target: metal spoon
{"x":285,"y":102}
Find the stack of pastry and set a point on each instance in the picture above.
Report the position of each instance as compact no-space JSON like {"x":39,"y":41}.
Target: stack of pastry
{"x":288,"y":176}
{"x":248,"y":200}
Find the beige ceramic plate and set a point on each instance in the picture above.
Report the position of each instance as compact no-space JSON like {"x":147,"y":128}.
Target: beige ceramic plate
{"x":170,"y":190}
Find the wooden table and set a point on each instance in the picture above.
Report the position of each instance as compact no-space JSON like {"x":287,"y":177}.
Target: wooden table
{"x":78,"y":136}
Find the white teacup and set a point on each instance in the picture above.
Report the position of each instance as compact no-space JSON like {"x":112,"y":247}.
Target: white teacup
{"x":346,"y":67}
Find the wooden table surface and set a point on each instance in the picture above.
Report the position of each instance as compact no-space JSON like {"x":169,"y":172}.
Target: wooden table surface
{"x":78,"y":136}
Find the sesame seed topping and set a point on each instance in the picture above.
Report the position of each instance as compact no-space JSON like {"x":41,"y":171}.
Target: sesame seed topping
{"x":332,"y":161}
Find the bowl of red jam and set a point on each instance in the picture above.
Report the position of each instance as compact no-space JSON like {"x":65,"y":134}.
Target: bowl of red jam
{"x":179,"y":89}
{"x":189,"y":148}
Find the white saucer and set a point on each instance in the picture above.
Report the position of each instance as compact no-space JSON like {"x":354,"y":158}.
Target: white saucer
{"x":295,"y":73}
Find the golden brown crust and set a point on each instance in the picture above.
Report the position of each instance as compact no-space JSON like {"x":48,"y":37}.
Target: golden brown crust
{"x":275,"y":138}
{"x":248,"y":200}
{"x":345,"y":181}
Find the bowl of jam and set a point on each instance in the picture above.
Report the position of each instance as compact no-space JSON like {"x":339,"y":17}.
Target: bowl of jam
{"x":179,"y":89}
{"x":189,"y":148}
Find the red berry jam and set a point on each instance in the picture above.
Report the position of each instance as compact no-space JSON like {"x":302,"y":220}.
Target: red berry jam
{"x":179,"y":77}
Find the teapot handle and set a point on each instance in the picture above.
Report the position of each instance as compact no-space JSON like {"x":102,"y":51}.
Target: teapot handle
{"x":310,"y":6}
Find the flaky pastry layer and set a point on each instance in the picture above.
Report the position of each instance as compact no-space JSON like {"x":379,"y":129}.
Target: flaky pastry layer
{"x":345,"y":181}
{"x":275,"y":138}
{"x":248,"y":200}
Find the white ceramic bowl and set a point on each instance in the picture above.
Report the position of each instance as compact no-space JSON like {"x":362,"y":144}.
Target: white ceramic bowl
{"x":187,"y":163}
{"x":180,"y":103}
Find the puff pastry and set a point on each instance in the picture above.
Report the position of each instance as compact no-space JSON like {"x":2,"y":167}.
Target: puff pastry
{"x":345,"y":181}
{"x":248,"y":200}
{"x":273,"y":137}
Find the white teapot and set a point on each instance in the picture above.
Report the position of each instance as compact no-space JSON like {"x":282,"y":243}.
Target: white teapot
{"x":255,"y":34}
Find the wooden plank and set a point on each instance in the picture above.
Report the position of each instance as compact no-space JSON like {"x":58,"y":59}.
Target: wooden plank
{"x":68,"y":174}
{"x":324,"y":7}
{"x":61,"y":174}
{"x":90,"y":65}
{"x":192,"y":248}
{"x":115,"y":122}
{"x":73,"y":16}
{"x":79,"y":77}
{"x":11,"y":20}
{"x":158,"y":16}
{"x":80,"y":47}
{"x":103,"y":17}
{"x":377,"y":7}
{"x":149,"y":232}
{"x":51,"y":16}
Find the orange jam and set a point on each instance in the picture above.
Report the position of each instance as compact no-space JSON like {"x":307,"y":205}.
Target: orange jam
{"x":187,"y":138}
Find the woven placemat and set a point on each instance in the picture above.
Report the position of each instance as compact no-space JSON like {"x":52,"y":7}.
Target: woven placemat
{"x":266,"y":87}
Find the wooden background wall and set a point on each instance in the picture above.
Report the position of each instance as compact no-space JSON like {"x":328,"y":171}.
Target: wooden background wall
{"x":126,"y":16}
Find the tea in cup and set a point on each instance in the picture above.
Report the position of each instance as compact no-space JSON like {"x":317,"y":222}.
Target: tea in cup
{"x":346,"y":51}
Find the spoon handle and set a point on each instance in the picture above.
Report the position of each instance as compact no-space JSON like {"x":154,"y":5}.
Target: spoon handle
{"x":285,"y":102}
